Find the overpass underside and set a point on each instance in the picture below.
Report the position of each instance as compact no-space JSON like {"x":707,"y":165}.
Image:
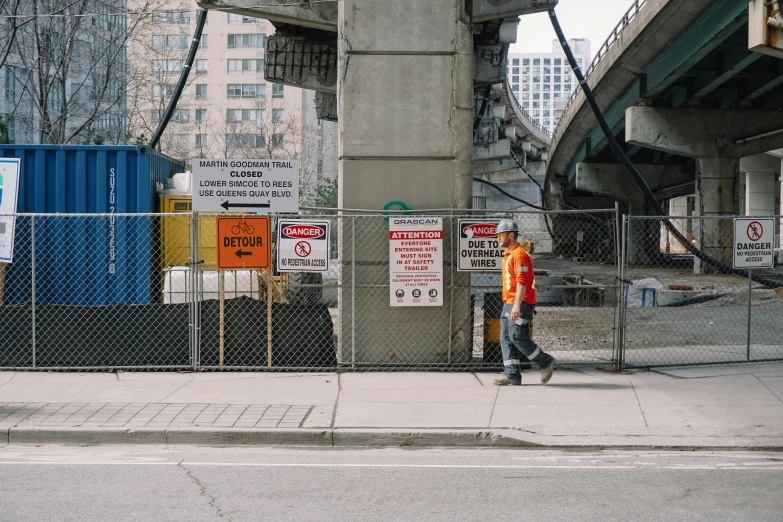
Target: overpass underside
{"x":692,"y":106}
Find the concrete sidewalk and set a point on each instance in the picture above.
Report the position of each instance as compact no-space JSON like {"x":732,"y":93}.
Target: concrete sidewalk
{"x":716,"y":407}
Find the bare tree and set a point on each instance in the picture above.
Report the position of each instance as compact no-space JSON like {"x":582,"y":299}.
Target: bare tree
{"x":69,"y":67}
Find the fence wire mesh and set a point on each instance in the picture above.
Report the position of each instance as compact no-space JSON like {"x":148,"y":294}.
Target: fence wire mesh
{"x":145,"y":292}
{"x":681,"y":310}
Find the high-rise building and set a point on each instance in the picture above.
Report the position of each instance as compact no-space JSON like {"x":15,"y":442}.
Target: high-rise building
{"x":227,"y":108}
{"x":539,"y":80}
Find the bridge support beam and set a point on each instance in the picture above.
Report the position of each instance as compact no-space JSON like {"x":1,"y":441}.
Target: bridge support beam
{"x":405,"y":104}
{"x":761,"y":184}
{"x":717,"y":138}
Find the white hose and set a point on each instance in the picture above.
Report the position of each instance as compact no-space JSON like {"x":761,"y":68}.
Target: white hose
{"x":776,"y":18}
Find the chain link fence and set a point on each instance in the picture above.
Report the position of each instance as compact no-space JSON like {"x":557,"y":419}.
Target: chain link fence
{"x":144,"y":292}
{"x":681,"y":310}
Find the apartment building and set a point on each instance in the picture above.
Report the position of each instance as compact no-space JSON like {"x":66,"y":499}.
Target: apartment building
{"x":540,"y":80}
{"x":227,"y":108}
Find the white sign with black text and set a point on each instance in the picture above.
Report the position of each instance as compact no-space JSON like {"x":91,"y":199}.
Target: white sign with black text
{"x":753,"y":242}
{"x":9,"y":193}
{"x":302,"y":246}
{"x":416,"y":261}
{"x":479,"y":248}
{"x":261,"y":186}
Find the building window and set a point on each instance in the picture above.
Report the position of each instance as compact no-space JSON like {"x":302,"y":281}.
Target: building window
{"x":255,"y":116}
{"x":255,"y":66}
{"x":567,"y":88}
{"x":526,"y":78}
{"x":537,"y":96}
{"x":515,"y":70}
{"x":170,"y":42}
{"x":202,"y":44}
{"x":536,"y":70}
{"x":201,"y":116}
{"x":167,"y":66}
{"x":547,"y":61}
{"x":245,"y":141}
{"x":277,"y":91}
{"x":546,"y":114}
{"x":202,"y":66}
{"x":557,"y":70}
{"x":164,"y":91}
{"x":11,"y":129}
{"x":536,"y":105}
{"x":537,"y":87}
{"x":536,"y":61}
{"x":536,"y":114}
{"x":201,"y":140}
{"x":557,"y":61}
{"x":567,"y":79}
{"x":558,"y":79}
{"x":536,"y":79}
{"x":526,"y":61}
{"x":547,"y":79}
{"x":277,"y":140}
{"x":515,"y":79}
{"x":10,"y":85}
{"x":246,"y":90}
{"x":579,"y":61}
{"x":547,"y":70}
{"x":171,"y":17}
{"x":526,"y":105}
{"x":175,"y":141}
{"x":241,"y":19}
{"x":515,"y":61}
{"x":246,"y":41}
{"x":557,"y":87}
{"x":201,"y":91}
{"x":277,"y":115}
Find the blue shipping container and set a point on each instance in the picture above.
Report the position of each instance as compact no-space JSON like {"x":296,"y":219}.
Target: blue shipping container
{"x":83,"y":260}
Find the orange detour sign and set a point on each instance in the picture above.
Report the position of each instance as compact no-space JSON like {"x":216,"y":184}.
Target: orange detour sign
{"x":244,"y":243}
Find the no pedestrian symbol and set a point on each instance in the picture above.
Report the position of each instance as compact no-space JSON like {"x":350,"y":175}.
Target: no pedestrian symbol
{"x":755,"y":231}
{"x":303,"y":249}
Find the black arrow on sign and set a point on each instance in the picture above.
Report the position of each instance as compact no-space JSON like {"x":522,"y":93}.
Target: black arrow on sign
{"x":239,"y":253}
{"x":226,"y":205}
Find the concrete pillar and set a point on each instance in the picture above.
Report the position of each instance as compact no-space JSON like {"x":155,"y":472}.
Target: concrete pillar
{"x":405,"y":105}
{"x":760,"y":193}
{"x":716,"y":181}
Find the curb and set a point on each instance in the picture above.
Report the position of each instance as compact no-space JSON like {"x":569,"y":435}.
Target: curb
{"x":360,"y":438}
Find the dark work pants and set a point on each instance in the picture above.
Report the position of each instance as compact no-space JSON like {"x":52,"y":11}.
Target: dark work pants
{"x":515,"y":340}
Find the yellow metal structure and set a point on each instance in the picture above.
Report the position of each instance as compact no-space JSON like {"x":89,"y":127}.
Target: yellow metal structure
{"x":175,"y":238}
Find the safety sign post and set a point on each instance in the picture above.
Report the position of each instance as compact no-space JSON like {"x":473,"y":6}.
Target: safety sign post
{"x":259,"y":186}
{"x":9,"y":193}
{"x":302,"y":246}
{"x":416,"y":261}
{"x":753,"y":238}
{"x":479,"y":248}
{"x":244,"y":243}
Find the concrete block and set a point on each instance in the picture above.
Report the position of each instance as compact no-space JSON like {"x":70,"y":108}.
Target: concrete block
{"x":499,"y":150}
{"x":412,"y":112}
{"x":426,"y":438}
{"x":301,"y":62}
{"x":486,"y":10}
{"x":400,"y":26}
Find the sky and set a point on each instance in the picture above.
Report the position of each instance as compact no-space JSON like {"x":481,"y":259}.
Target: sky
{"x":591,"y":19}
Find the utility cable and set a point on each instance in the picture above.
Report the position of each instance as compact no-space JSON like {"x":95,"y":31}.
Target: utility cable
{"x":648,"y":194}
{"x":183,"y":78}
{"x":507,"y":194}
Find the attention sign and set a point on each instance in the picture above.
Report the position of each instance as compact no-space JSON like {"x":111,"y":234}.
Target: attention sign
{"x":244,"y":243}
{"x":753,"y":238}
{"x":259,"y":186}
{"x":302,"y":246}
{"x":416,"y":261}
{"x":479,"y":248}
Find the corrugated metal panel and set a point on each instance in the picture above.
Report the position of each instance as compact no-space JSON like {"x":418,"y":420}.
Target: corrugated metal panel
{"x":88,"y":261}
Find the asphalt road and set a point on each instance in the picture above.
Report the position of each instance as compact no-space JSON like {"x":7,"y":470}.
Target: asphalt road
{"x":200,"y":484}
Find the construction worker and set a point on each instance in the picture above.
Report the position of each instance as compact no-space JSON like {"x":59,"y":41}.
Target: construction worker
{"x":519,"y":302}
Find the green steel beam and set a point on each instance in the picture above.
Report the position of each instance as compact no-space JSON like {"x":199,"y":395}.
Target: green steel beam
{"x":699,"y":40}
{"x":727,"y":74}
{"x":764,"y":89}
{"x":615,"y":116}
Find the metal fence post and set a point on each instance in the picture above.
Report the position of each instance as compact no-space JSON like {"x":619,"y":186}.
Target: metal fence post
{"x":750,"y":301}
{"x":32,"y":282}
{"x":195,"y":302}
{"x":619,"y":288}
{"x":353,"y":292}
{"x":622,"y":316}
{"x":451,"y":285}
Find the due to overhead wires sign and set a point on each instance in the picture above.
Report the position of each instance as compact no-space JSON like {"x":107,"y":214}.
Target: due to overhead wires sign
{"x":479,"y":248}
{"x":753,"y":238}
{"x":262,"y":186}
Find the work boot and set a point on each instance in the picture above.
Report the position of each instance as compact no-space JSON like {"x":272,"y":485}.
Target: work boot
{"x":505,"y":381}
{"x":546,"y":371}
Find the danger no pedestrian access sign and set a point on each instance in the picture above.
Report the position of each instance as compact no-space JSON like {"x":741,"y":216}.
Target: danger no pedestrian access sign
{"x":261,"y":186}
{"x":302,"y":246}
{"x":244,"y":243}
{"x":753,"y":238}
{"x":479,"y":248}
